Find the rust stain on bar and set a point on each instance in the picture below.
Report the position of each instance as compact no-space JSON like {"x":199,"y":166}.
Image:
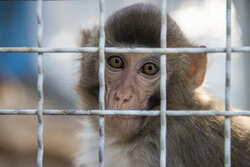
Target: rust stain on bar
{"x":27,"y":49}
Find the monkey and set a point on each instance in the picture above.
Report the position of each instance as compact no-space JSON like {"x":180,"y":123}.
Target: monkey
{"x":133,"y":83}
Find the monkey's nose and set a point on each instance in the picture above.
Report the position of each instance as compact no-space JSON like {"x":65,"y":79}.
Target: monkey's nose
{"x":122,"y":97}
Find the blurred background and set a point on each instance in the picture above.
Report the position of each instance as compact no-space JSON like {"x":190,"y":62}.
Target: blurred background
{"x":203,"y":22}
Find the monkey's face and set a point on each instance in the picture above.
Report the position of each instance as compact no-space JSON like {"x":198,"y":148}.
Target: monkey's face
{"x":131,"y":82}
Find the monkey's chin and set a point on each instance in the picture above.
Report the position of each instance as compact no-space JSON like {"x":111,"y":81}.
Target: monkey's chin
{"x":123,"y":125}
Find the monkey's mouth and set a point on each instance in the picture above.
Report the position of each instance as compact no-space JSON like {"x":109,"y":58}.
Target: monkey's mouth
{"x":123,"y":124}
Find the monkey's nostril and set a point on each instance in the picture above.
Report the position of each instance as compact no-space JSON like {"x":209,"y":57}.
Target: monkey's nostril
{"x":117,"y":98}
{"x":128,"y":99}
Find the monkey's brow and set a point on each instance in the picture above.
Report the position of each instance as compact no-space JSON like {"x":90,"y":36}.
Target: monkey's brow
{"x":155,"y":55}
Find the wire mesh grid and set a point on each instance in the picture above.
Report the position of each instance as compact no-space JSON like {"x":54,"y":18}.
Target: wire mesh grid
{"x":163,"y":112}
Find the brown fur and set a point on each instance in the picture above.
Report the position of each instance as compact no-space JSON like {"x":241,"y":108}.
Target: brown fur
{"x":191,"y":141}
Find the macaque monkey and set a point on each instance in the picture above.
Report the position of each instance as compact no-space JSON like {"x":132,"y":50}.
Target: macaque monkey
{"x":133,"y":83}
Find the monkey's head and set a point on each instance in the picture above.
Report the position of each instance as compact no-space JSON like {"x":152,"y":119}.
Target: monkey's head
{"x":133,"y":80}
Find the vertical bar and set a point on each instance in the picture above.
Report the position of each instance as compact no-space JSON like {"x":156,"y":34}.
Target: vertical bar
{"x":227,"y":87}
{"x":101,"y":82}
{"x":39,"y":161}
{"x":163,"y":137}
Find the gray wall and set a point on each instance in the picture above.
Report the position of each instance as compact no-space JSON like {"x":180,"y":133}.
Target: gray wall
{"x":243,"y":14}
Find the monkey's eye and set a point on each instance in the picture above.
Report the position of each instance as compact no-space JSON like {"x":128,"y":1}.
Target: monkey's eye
{"x":115,"y":62}
{"x":150,"y":69}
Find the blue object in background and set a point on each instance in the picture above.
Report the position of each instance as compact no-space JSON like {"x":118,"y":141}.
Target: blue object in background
{"x":18,"y":29}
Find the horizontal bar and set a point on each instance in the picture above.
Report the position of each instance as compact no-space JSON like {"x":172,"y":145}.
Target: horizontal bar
{"x":127,"y":112}
{"x":119,"y":50}
{"x":34,"y":0}
{"x":241,"y":49}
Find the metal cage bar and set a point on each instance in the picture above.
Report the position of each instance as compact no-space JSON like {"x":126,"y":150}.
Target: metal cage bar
{"x":245,"y":49}
{"x":128,"y":112}
{"x":227,"y":86}
{"x":39,"y":161}
{"x":163,"y":86}
{"x":101,"y":82}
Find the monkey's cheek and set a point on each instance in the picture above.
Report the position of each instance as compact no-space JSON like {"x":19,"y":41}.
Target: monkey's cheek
{"x":123,"y":124}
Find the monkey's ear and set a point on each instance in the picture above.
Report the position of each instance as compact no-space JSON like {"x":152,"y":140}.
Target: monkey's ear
{"x":85,"y":36}
{"x":198,"y":68}
{"x":89,"y":36}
